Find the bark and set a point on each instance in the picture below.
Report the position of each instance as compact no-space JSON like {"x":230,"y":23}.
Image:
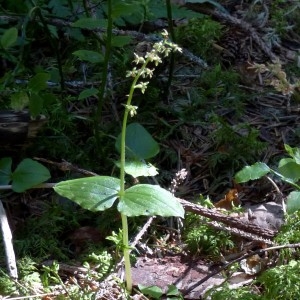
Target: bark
{"x":237,"y":223}
{"x":8,"y":246}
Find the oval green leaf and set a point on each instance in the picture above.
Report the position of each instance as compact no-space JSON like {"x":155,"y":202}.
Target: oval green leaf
{"x":90,"y":56}
{"x":89,"y":23}
{"x":120,"y":41}
{"x":293,"y":202}
{"x":88,"y":93}
{"x":39,"y":82}
{"x":5,"y":170}
{"x":153,"y":291}
{"x":252,"y":172}
{"x":149,"y":200}
{"x":35,"y":104}
{"x":19,"y":100}
{"x":293,"y":152}
{"x":139,"y":142}
{"x":9,"y":37}
{"x":28,"y":174}
{"x":123,"y":9}
{"x":289,"y":169}
{"x":93,"y":193}
{"x":137,"y":168}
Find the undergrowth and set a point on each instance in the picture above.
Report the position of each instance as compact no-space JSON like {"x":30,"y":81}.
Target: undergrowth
{"x":226,"y":293}
{"x":235,"y":145}
{"x":281,"y":282}
{"x":203,"y":239}
{"x":289,"y":234}
{"x":211,"y":97}
{"x":200,"y":34}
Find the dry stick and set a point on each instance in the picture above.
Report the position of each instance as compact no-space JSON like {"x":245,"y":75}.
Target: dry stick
{"x":239,"y":233}
{"x":235,"y":222}
{"x":39,"y":186}
{"x":248,"y":28}
{"x":242,"y":227}
{"x":136,"y":35}
{"x":279,"y":193}
{"x":142,"y":232}
{"x":8,"y":246}
{"x":33,"y":296}
{"x":66,"y":166}
{"x":135,"y":241}
{"x":259,"y":252}
{"x":227,"y":18}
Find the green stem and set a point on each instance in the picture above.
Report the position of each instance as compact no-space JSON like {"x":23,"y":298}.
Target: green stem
{"x":126,"y":254}
{"x":293,"y":184}
{"x":170,"y":20}
{"x":126,"y":250}
{"x":54,"y":46}
{"x":172,"y":55}
{"x":124,"y":125}
{"x":102,"y":88}
{"x":128,"y":109}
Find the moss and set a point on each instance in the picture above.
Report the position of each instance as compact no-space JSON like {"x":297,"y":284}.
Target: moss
{"x":199,"y":36}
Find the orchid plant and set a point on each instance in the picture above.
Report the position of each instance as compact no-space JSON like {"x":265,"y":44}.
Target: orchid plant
{"x":99,"y":193}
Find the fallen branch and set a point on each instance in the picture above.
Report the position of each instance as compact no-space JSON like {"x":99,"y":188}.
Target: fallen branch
{"x":248,"y":28}
{"x":258,"y":252}
{"x":8,"y":246}
{"x":239,"y":233}
{"x":239,"y":223}
{"x":138,"y":36}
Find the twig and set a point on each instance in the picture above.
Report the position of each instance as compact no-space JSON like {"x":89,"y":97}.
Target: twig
{"x":279,"y":193}
{"x":227,"y":18}
{"x":8,"y":246}
{"x":66,"y":166}
{"x":236,"y":222}
{"x":240,"y":233}
{"x":258,"y":252}
{"x":135,"y":241}
{"x":33,"y":296}
{"x":142,"y":232}
{"x":47,"y":185}
{"x":136,"y":35}
{"x":253,"y":33}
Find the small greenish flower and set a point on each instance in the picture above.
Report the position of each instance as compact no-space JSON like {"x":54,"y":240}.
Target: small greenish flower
{"x":146,"y":72}
{"x":138,"y":59}
{"x":165,"y":34}
{"x":132,"y":110}
{"x":158,"y":47}
{"x":132,"y":73}
{"x":142,"y":86}
{"x":167,"y":51}
{"x":153,"y":57}
{"x":149,"y":72}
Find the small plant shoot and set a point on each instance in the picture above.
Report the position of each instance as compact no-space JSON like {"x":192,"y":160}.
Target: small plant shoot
{"x":288,"y":171}
{"x":136,"y":144}
{"x":28,"y":174}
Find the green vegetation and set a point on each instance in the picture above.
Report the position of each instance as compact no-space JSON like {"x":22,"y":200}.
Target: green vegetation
{"x":200,"y":34}
{"x":281,"y":282}
{"x":288,"y":171}
{"x":203,"y":239}
{"x":233,"y":142}
{"x":226,"y":293}
{"x":69,"y":65}
{"x":99,"y":193}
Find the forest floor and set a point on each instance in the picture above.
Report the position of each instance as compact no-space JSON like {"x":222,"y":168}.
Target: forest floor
{"x":242,"y":107}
